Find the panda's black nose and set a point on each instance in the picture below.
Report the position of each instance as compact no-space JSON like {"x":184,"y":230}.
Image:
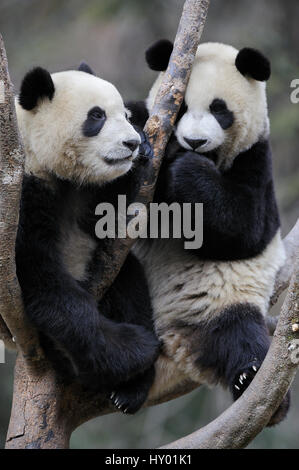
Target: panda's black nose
{"x":131,"y":144}
{"x":195,"y":143}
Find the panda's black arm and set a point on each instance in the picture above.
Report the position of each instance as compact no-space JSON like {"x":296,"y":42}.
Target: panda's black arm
{"x":139,"y":112}
{"x":240,"y":214}
{"x":105,"y":353}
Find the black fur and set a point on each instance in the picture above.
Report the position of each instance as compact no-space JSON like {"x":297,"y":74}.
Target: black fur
{"x":254,"y":64}
{"x":83,"y":67}
{"x":131,"y":395}
{"x":221,"y":113}
{"x":183,"y":109}
{"x":102,"y":346}
{"x":94,"y":122}
{"x":157,"y":56}
{"x":239,"y":206}
{"x":36,"y":84}
{"x":139,"y":113}
{"x":230,"y":349}
{"x":231,"y":344}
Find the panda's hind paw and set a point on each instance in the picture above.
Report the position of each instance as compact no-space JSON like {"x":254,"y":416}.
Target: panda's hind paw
{"x":128,"y":402}
{"x":243,"y":380}
{"x":131,"y":396}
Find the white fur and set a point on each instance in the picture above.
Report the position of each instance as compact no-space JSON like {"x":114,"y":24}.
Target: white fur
{"x":214,"y":75}
{"x":53,"y":137}
{"x":196,"y":124}
{"x":77,"y":249}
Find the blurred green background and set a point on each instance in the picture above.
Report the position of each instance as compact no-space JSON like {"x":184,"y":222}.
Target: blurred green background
{"x":111,"y":35}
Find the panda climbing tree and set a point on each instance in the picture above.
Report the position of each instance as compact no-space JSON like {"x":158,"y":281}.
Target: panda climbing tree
{"x":56,"y":410}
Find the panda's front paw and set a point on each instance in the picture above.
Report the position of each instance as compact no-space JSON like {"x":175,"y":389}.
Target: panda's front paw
{"x":145,"y":148}
{"x":189,"y":164}
{"x":243,"y":379}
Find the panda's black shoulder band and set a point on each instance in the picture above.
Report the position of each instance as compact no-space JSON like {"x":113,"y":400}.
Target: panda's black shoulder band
{"x":157,"y":56}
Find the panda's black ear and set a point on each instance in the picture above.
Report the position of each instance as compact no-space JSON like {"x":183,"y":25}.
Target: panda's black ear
{"x":157,"y":56}
{"x":83,"y":67}
{"x":254,"y":64}
{"x":36,"y":84}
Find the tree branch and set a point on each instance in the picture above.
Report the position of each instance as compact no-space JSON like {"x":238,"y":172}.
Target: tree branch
{"x":291,"y":243}
{"x":11,"y":175}
{"x":243,"y":420}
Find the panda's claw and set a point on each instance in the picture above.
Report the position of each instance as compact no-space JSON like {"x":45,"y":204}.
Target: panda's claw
{"x":242,"y":380}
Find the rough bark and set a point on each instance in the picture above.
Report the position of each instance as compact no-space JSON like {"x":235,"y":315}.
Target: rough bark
{"x":11,"y":175}
{"x":291,"y":243}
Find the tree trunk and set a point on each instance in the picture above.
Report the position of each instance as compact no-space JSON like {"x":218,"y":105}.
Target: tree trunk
{"x":39,"y":416}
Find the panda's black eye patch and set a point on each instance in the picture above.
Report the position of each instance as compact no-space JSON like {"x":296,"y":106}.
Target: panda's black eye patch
{"x":221,"y":113}
{"x":94,"y":122}
{"x":218,"y":106}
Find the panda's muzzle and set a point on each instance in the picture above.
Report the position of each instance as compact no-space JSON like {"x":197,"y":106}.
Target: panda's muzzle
{"x":196,"y":143}
{"x":117,"y":161}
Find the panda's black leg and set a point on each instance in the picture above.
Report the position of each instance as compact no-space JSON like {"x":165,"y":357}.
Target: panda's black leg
{"x":232,"y":347}
{"x":128,"y":301}
{"x":130,"y":396}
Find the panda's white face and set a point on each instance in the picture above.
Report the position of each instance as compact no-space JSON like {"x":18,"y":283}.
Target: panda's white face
{"x":199,"y":131}
{"x":224,"y":111}
{"x":82,"y":133}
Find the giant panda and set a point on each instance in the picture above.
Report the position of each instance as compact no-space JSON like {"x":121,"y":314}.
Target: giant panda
{"x":81,"y":150}
{"x":210,"y":303}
